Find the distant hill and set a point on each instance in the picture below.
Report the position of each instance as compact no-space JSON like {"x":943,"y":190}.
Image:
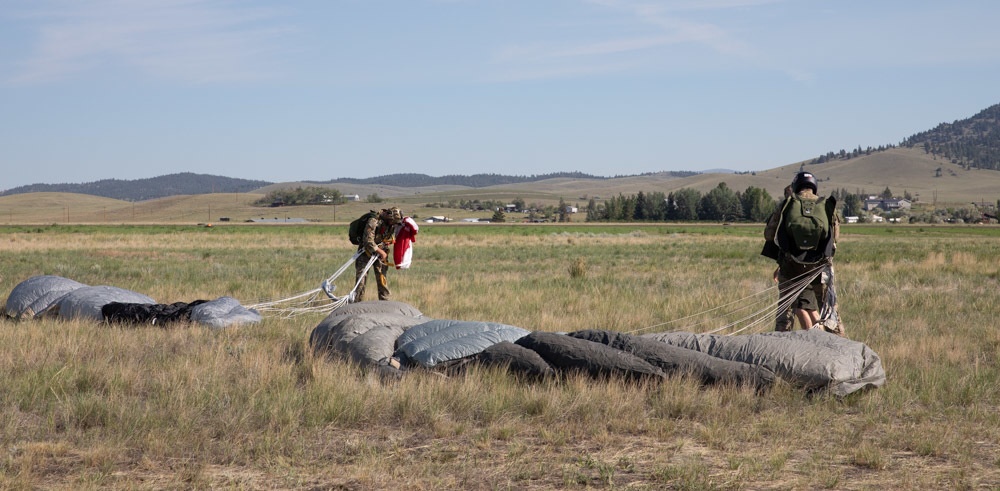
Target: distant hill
{"x":971,"y":143}
{"x":931,"y":163}
{"x":473,"y":181}
{"x":192,"y":184}
{"x":146,"y":189}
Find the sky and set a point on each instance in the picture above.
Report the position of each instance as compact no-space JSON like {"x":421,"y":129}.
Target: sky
{"x":322,"y":89}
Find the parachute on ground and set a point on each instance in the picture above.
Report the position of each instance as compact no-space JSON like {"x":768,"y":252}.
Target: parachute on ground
{"x":813,"y":360}
{"x":55,"y":296}
{"x":35,"y":295}
{"x":394,"y":337}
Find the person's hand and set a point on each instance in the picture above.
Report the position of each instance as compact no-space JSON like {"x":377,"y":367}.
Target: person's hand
{"x":382,"y":255}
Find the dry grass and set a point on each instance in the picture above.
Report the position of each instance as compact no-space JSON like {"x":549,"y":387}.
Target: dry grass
{"x":88,"y":406}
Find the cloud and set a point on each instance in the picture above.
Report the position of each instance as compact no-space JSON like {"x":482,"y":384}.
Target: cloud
{"x":667,"y":25}
{"x":191,"y":41}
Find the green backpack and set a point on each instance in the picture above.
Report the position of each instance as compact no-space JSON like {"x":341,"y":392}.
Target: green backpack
{"x":357,"y":227}
{"x":806,"y":222}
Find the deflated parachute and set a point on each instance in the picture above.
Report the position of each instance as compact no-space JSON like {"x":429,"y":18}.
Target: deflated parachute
{"x":35,"y":295}
{"x":364,"y":332}
{"x":439,"y":341}
{"x":676,"y":360}
{"x":86,"y":302}
{"x":812,"y":360}
{"x":68,"y":299}
{"x":223,"y":312}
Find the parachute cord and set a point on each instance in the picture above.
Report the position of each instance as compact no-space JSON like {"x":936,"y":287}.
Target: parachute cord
{"x":704,"y":312}
{"x":754,"y":320}
{"x":317,"y":300}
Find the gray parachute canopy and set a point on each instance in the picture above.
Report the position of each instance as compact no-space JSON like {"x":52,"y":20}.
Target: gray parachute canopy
{"x":224,"y":312}
{"x":86,"y":302}
{"x":811,"y":359}
{"x":368,"y":332}
{"x":35,"y":295}
{"x":64,"y":298}
{"x":439,"y":341}
{"x":364,"y":332}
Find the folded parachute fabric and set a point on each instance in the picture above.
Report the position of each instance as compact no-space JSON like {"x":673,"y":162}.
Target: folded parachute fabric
{"x":145,"y":313}
{"x":86,"y":302}
{"x":55,"y":296}
{"x":439,"y":341}
{"x":35,"y":295}
{"x":813,"y":359}
{"x":366,"y":332}
{"x":570,"y":354}
{"x":221,"y":312}
{"x":674,"y":360}
{"x":224,"y":312}
{"x":516,"y":359}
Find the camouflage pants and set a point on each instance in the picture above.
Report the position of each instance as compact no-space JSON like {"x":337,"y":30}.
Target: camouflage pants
{"x":378,"y":270}
{"x":825,"y":294}
{"x":811,"y":298}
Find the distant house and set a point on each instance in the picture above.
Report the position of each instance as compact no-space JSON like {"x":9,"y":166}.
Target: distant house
{"x":890,"y":204}
{"x":353,"y":197}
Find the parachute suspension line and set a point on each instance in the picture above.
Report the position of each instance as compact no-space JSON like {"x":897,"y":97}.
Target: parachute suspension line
{"x":741,"y":301}
{"x":754,"y":320}
{"x":317,"y":300}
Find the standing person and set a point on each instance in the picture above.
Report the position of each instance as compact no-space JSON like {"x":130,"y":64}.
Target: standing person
{"x":801,"y":236}
{"x":375,"y":240}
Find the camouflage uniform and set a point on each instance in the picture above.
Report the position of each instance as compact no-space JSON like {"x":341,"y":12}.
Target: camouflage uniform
{"x":378,"y":233}
{"x":788,"y":269}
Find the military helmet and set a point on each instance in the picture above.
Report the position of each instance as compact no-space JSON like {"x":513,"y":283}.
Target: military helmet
{"x":804,"y":179}
{"x":393,"y":215}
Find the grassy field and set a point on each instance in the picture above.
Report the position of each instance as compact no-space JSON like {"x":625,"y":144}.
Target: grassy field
{"x":89,"y":406}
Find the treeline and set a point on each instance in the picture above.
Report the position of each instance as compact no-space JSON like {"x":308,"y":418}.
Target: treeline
{"x":720,"y":204}
{"x":847,"y":155}
{"x":312,"y":195}
{"x":481,"y":180}
{"x":971,"y":143}
{"x":474,"y":181}
{"x":151,"y":188}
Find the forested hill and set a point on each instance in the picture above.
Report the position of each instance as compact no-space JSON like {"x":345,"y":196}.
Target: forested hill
{"x":972,"y":142}
{"x":151,"y":188}
{"x":473,"y":181}
{"x":189,"y":183}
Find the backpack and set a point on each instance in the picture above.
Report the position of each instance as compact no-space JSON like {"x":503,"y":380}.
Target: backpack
{"x":357,"y":227}
{"x":806,"y":222}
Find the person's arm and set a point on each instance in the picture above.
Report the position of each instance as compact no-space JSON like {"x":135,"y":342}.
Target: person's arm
{"x":771,"y":228}
{"x":368,"y":240}
{"x":835,"y":233}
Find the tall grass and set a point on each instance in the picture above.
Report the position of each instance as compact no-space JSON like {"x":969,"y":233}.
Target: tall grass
{"x":91,"y":406}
